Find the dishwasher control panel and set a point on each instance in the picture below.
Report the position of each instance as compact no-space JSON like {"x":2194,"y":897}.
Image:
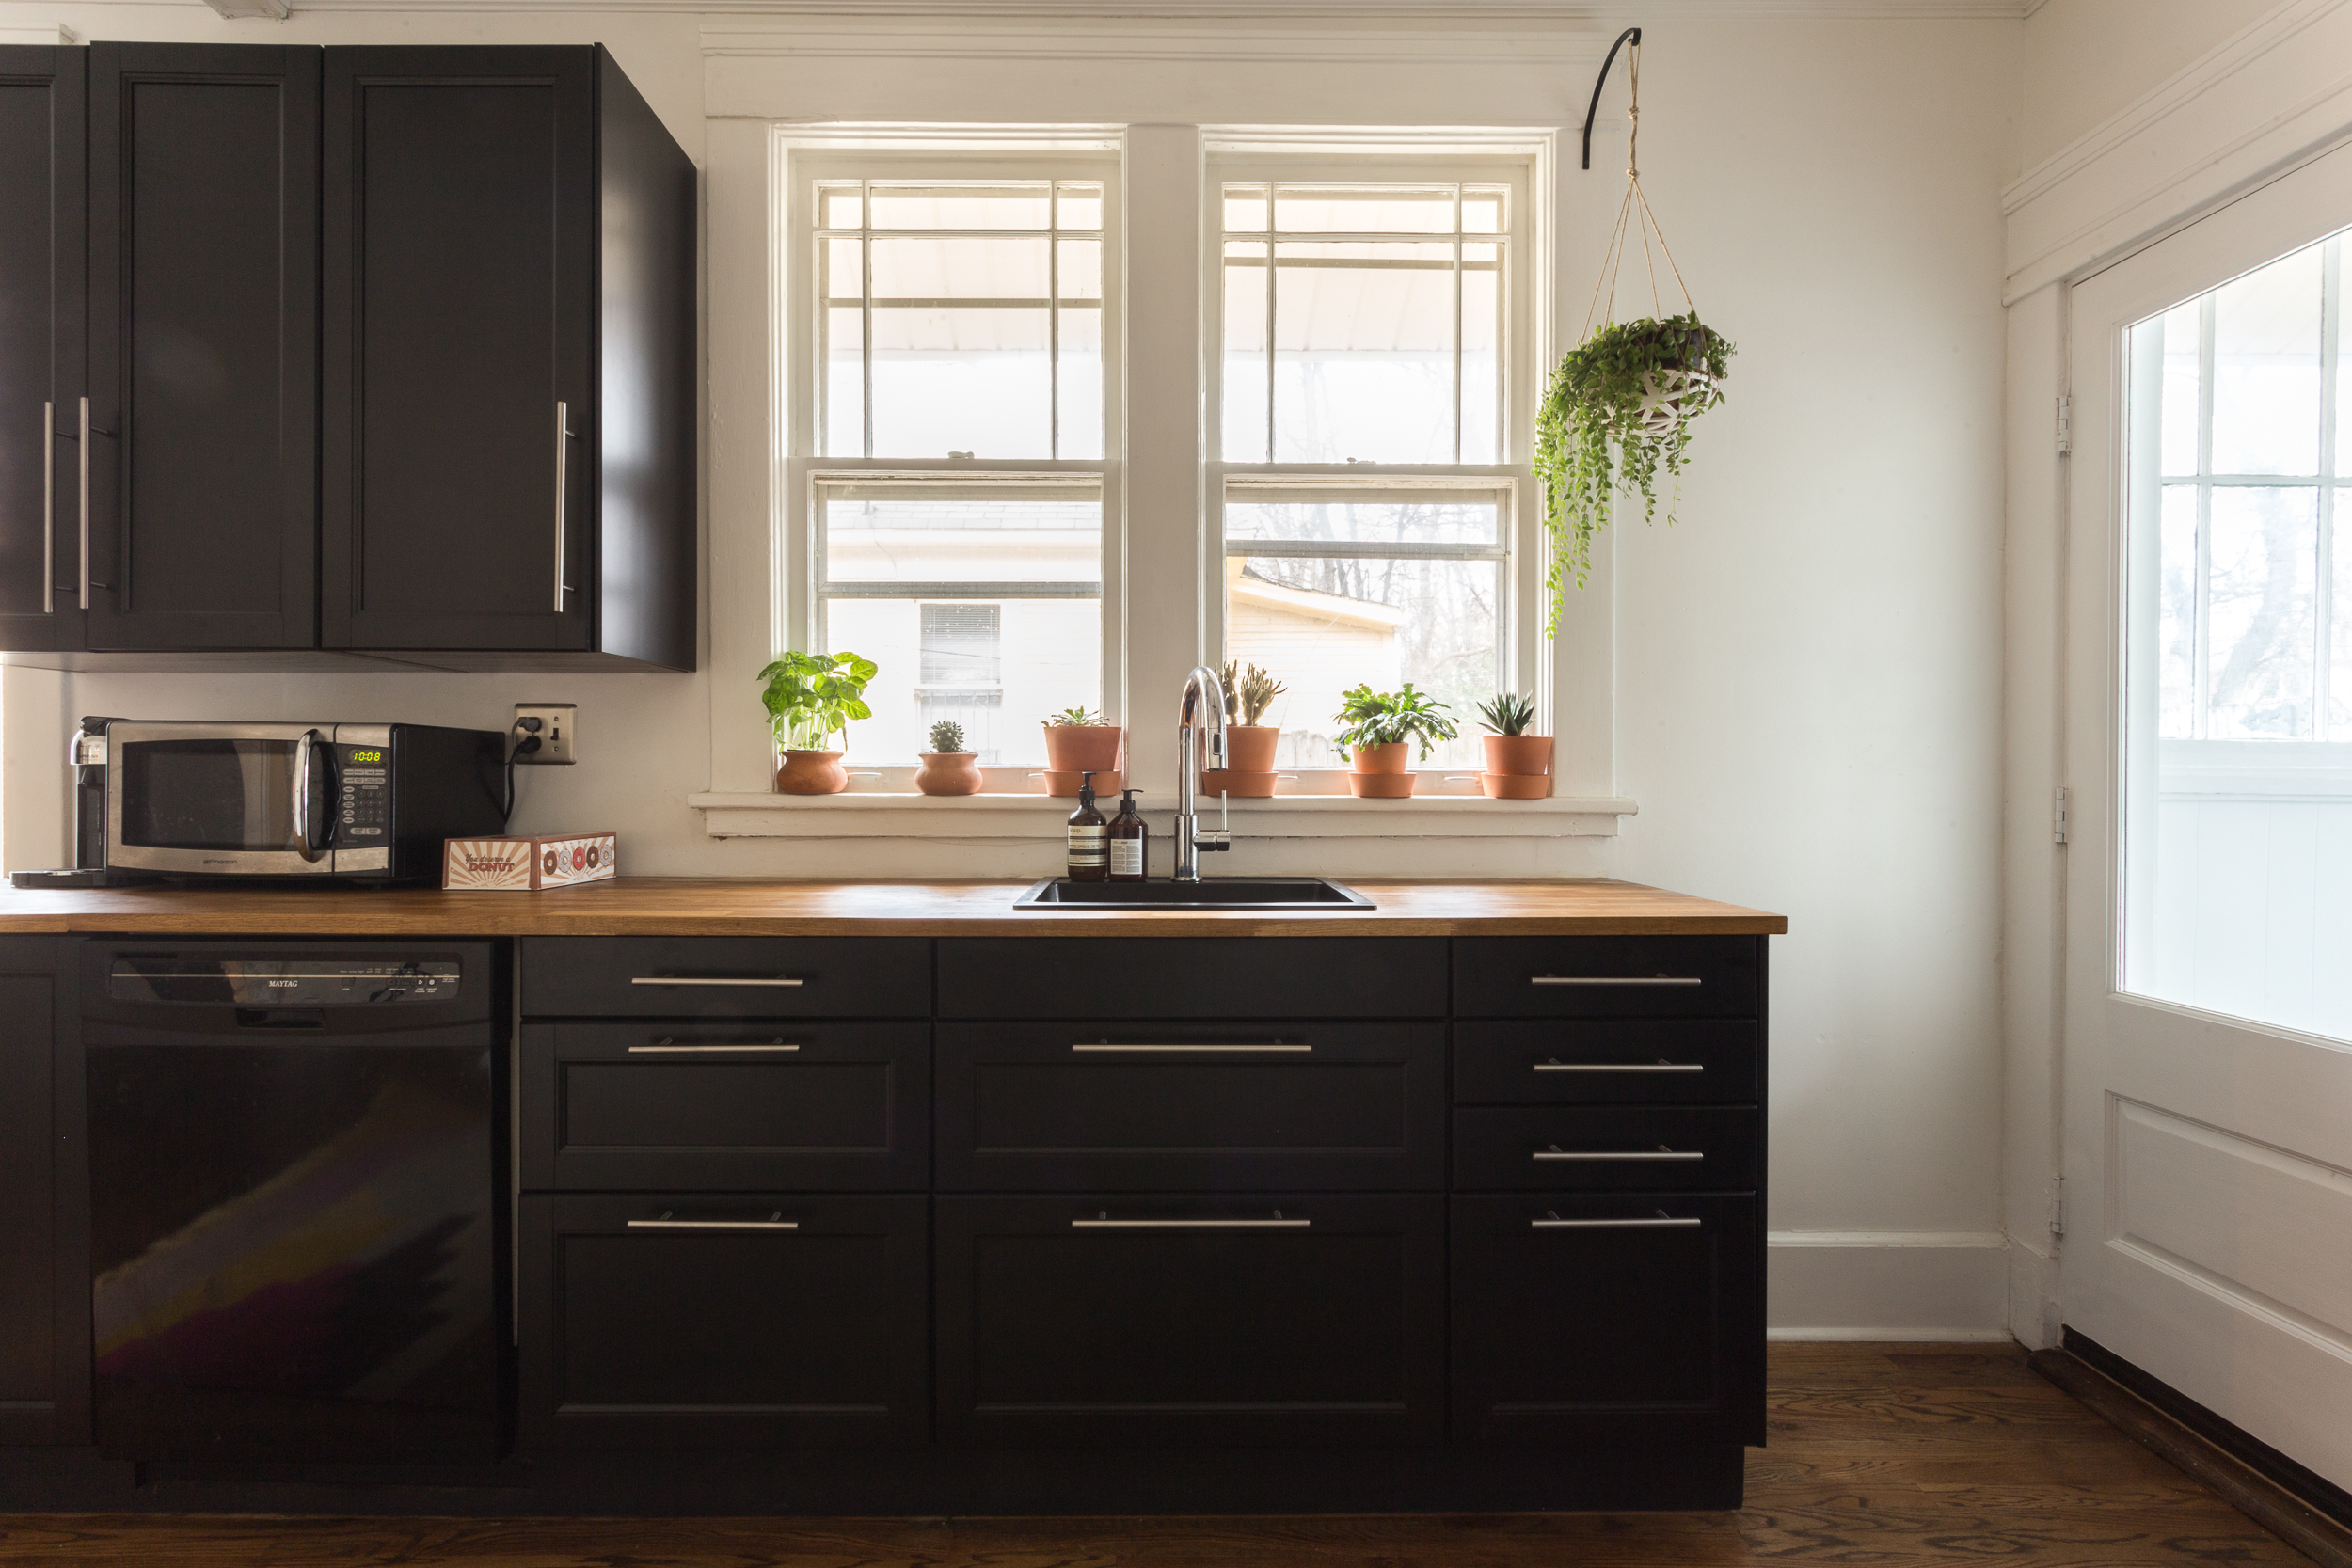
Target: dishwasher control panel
{"x":265,"y":982}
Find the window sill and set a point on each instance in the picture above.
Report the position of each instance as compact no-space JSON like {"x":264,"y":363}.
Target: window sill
{"x":873,"y":813}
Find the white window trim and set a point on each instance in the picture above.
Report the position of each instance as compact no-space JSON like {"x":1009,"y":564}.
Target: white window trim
{"x":759,"y":598}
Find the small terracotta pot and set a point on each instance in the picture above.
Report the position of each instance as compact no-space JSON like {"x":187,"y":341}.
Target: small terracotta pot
{"x":1524,"y":754}
{"x":811,"y":773}
{"x":1395,"y":757}
{"x":1515,"y":786}
{"x":948,"y":773}
{"x":1249,"y":748}
{"x":1065,"y":784}
{"x":1241,"y":785}
{"x":1381,"y":786}
{"x":1084,"y":748}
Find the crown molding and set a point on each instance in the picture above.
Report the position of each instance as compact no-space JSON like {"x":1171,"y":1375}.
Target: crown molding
{"x":869,"y":39}
{"x":1442,"y":17}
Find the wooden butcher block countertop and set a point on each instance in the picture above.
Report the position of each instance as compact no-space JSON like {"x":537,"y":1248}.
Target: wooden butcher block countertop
{"x":719,"y":906}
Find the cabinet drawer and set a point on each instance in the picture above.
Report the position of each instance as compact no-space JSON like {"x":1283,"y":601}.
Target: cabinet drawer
{"x":1606,"y":1061}
{"x":1607,"y":976}
{"x":1102,"y":1105}
{"x":669,"y":1104}
{"x":1588,"y":1320}
{"x":1183,"y":977}
{"x":672,"y":1322}
{"x":726,"y":977}
{"x":1605,"y":1148}
{"x":1153,"y":1321}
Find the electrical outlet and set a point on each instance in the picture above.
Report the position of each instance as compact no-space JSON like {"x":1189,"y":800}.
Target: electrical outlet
{"x":558,"y":732}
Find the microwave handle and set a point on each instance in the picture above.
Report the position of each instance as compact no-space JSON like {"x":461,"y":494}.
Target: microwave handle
{"x":304,"y":749}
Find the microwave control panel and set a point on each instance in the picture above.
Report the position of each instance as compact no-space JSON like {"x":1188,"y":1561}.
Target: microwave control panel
{"x":363,"y":811}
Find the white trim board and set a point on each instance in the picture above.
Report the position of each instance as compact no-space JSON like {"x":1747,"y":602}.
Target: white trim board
{"x":1448,"y":12}
{"x":1886,"y":1285}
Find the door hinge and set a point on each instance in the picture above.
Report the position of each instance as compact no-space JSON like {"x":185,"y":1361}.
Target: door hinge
{"x":2057,"y":816}
{"x":2058,"y":1206}
{"x":2066,"y":423}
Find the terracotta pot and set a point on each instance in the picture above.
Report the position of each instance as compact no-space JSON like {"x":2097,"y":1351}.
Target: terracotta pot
{"x":811,"y":773}
{"x":1084,"y":748}
{"x":1249,"y":748}
{"x":1395,"y":757}
{"x":1515,"y":786}
{"x":948,"y":773}
{"x":1381,"y":786}
{"x":1241,"y":785}
{"x":1107,"y":786}
{"x":1525,"y":754}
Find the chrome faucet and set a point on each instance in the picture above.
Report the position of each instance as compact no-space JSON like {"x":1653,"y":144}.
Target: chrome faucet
{"x":1200,"y":687}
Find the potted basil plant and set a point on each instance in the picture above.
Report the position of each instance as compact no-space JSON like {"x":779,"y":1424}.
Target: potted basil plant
{"x":1377,"y":729}
{"x":810,"y":698}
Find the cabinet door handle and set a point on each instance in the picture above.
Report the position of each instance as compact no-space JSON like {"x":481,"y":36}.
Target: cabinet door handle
{"x":1661,"y":1064}
{"x":85,"y":458}
{"x":1663,"y":1221}
{"x":1277,"y":1045}
{"x":667,"y":1047}
{"x":563,"y":471}
{"x":1276,"y":1224}
{"x":48,"y":508}
{"x":711,"y":980}
{"x":775,"y":1221}
{"x":1660,"y":1152}
{"x":1614,"y":980}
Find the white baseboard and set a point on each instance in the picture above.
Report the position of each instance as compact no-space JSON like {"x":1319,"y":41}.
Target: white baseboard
{"x":1896,"y":1285}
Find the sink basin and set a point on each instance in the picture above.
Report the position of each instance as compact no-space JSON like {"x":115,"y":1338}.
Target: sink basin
{"x":1215,"y":892}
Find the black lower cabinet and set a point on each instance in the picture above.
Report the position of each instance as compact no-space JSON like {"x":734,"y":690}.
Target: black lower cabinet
{"x":44,"y":1261}
{"x":739,"y":1321}
{"x":1607,"y":1321}
{"x":1150,"y":1320}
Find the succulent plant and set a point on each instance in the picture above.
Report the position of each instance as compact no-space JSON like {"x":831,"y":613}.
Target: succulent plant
{"x":1249,"y":692}
{"x":946,"y":736}
{"x":1369,"y":718}
{"x":1074,"y":717}
{"x":1508,"y":713}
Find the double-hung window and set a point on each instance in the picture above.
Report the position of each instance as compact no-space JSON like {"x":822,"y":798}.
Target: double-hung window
{"x":954,"y":432}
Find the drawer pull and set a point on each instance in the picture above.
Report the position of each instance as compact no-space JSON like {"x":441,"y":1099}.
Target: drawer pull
{"x":775,"y":1221}
{"x":1614,"y":980}
{"x":1661,"y":1064}
{"x":722,"y":980}
{"x":1660,"y":1152}
{"x":1103,"y":1221}
{"x":668,"y":1047}
{"x":1105,"y":1045}
{"x":1551,"y":1220}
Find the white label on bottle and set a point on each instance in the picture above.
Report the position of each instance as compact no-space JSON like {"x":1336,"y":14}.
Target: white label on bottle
{"x":1086,"y":845}
{"x":1126,"y":857}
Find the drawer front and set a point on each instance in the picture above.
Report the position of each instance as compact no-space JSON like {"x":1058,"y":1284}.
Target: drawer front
{"x":674,"y":1322}
{"x":1187,"y":977}
{"x":726,"y":977}
{"x":1139,"y":1321}
{"x":684,"y":1103}
{"x":1607,"y":976}
{"x":1585,"y":1320}
{"x":1610,"y":1148}
{"x":1106,"y":1106}
{"x":1606,"y":1062}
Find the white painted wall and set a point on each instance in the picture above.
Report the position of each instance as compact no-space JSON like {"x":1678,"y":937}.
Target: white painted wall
{"x":1807,"y":667}
{"x":2086,"y":60}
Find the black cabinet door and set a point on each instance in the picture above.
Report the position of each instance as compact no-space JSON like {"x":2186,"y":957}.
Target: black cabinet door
{"x":44,"y":1301}
{"x":1189,"y":977}
{"x":1608,"y":976}
{"x":709,"y":977}
{"x":1592,"y":1321}
{"x":204,"y":340}
{"x":41,"y":381}
{"x":459,"y":390}
{"x":750,"y":1322}
{"x":1608,"y":1062}
{"x":1147,"y":1320}
{"x":1605,"y":1147}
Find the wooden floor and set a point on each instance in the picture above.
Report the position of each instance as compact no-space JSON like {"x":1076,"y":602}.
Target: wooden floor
{"x":1881,"y":1454}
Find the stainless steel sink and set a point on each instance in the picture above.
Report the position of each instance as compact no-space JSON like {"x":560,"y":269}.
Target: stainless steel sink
{"x":1214,"y":893}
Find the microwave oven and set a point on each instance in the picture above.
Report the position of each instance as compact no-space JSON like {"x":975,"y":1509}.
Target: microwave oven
{"x":366,"y":802}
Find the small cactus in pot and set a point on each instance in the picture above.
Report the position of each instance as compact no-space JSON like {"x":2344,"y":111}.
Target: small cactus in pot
{"x":948,"y":768}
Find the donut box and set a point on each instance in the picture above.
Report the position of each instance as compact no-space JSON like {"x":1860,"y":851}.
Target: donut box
{"x":527,"y":865}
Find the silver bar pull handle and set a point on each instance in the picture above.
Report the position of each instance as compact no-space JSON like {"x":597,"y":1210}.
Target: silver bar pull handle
{"x":1660,"y":1152}
{"x":1659,"y":1221}
{"x":1274,"y":1045}
{"x":665,"y":1046}
{"x":1614,"y":980}
{"x":304,"y":750}
{"x":712,"y":980}
{"x":85,"y":503}
{"x":1276,"y":1224}
{"x":775,"y":1221}
{"x":48,"y":508}
{"x":1661,"y":1064}
{"x":562,"y":472}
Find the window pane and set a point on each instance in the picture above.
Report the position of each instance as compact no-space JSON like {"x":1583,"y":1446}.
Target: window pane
{"x":1439,"y":517}
{"x":1482,"y":353}
{"x":1002,"y":533}
{"x":1245,"y":209}
{"x":962,"y":646}
{"x":2181,"y":329}
{"x":2265,"y":370}
{"x":918,"y":205}
{"x":1049,"y":658}
{"x":1364,"y":353}
{"x":1324,"y":625}
{"x":2266,"y":552}
{"x":1081,"y":204}
{"x":1482,"y":211}
{"x":1243,"y":388}
{"x":2340,"y":635}
{"x":1358,"y":210}
{"x":2176,"y":613}
{"x":838,"y":204}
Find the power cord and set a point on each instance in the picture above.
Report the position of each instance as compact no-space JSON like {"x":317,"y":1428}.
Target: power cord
{"x":525,"y":743}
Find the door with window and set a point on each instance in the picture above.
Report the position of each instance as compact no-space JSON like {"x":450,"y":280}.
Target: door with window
{"x":2208,"y":1043}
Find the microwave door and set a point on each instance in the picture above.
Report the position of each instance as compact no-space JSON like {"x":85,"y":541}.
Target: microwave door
{"x":218,"y":798}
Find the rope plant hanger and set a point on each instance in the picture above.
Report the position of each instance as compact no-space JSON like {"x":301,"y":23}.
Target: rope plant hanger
{"x":1620,"y":405}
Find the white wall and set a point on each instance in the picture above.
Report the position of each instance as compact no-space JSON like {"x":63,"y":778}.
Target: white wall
{"x":2087,"y":59}
{"x":1807,"y":666}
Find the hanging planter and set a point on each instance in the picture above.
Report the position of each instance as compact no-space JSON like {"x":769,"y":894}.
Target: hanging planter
{"x":1618,"y":411}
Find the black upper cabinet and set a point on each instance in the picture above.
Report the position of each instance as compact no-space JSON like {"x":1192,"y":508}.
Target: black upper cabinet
{"x":508,"y":350}
{"x":42,"y":184}
{"x":203,"y":343}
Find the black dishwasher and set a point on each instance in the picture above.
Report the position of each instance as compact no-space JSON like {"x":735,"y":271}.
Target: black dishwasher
{"x":298,"y":1217}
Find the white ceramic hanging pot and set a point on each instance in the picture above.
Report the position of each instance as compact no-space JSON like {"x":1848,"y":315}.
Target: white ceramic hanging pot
{"x":1671,"y":396}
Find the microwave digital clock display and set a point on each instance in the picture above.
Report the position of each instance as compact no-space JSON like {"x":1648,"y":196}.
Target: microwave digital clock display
{"x":367,"y":756}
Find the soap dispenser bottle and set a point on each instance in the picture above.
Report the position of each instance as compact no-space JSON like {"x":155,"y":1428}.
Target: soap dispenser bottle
{"x":1130,"y":838}
{"x":1089,"y":860}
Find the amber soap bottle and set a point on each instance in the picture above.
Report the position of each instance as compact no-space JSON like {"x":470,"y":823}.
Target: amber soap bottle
{"x":1090,"y":847}
{"x":1130,"y":842}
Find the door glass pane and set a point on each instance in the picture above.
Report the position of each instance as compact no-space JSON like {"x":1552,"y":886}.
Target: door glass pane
{"x":2237,"y":712}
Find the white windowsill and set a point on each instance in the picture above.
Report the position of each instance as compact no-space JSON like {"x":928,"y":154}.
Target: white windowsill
{"x":872,"y":814}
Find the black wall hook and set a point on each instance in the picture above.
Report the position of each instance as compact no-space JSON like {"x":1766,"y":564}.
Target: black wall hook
{"x":1633,"y":36}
